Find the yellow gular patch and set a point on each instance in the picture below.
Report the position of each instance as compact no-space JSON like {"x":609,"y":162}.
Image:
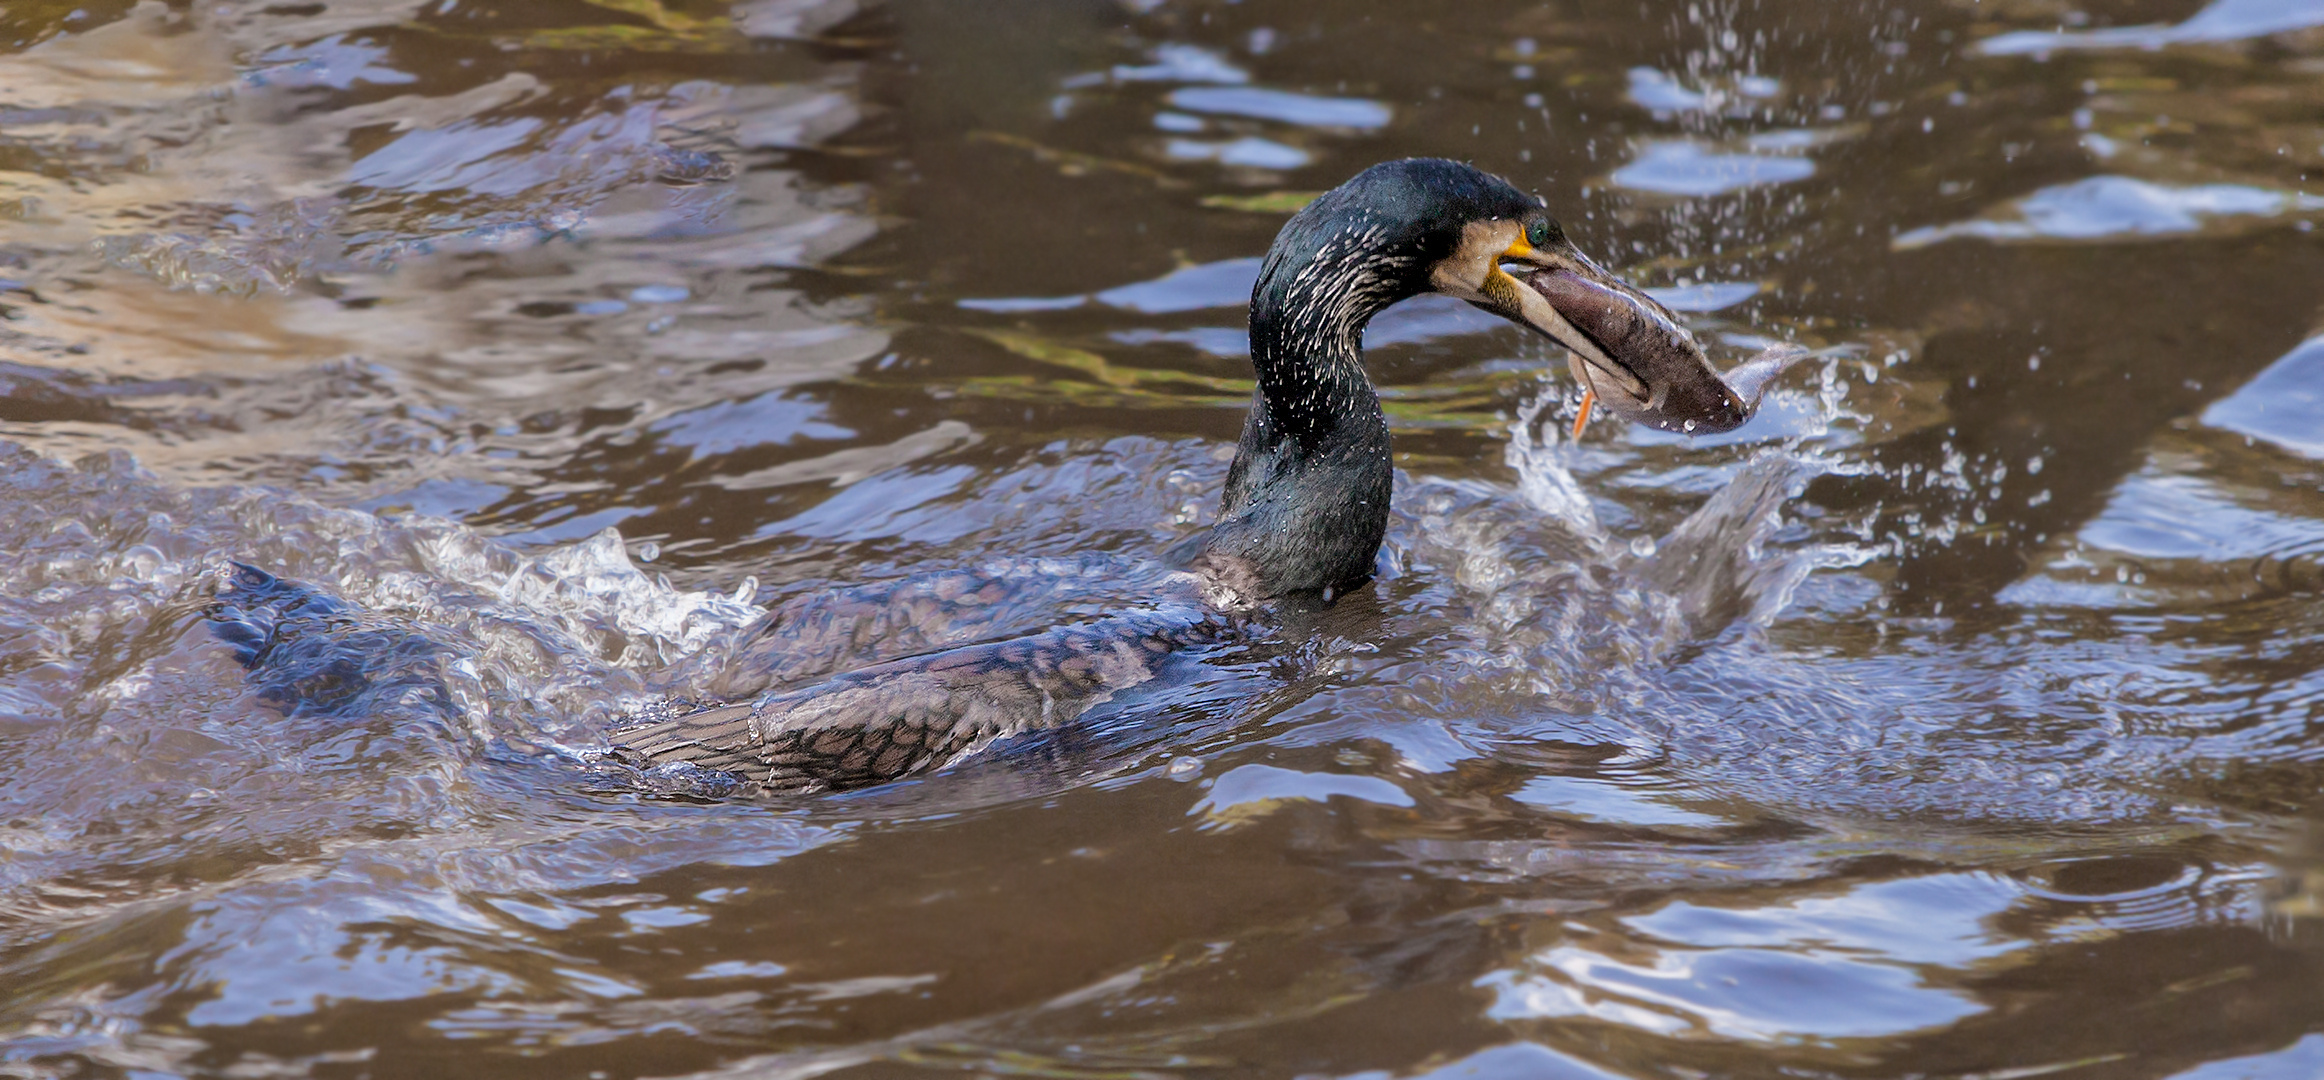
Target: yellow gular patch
{"x":1501,"y":289}
{"x":1469,"y":271}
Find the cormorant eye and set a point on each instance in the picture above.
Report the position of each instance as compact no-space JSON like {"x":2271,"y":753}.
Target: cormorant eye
{"x":1540,"y":232}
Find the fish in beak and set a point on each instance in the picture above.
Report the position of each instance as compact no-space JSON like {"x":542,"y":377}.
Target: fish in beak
{"x":1628,"y":352}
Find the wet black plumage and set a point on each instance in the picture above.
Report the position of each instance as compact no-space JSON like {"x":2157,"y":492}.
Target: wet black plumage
{"x":312,"y":653}
{"x":1306,"y":502}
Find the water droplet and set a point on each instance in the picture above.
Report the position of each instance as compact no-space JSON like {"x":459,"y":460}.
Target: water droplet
{"x":1643,"y":547}
{"x":649,"y":551}
{"x":1184,"y":768}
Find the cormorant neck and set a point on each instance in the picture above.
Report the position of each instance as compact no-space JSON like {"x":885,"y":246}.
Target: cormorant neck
{"x":1306,"y":502}
{"x":1308,"y":312}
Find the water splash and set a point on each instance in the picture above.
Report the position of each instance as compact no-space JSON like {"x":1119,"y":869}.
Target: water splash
{"x":275,"y":248}
{"x":1543,"y":480}
{"x":552,"y":635}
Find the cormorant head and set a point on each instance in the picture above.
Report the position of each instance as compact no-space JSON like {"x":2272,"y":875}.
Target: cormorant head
{"x":1426,"y":224}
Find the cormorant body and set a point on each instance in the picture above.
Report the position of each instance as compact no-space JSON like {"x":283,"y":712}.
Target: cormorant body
{"x":1304,"y":510}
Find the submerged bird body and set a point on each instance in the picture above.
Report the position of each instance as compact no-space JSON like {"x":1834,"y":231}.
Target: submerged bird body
{"x":1305,"y":505}
{"x":890,"y":720}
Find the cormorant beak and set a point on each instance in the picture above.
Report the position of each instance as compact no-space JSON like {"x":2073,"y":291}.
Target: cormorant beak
{"x":1628,"y":351}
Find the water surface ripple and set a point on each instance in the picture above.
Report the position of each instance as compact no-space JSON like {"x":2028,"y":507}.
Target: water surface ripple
{"x":1957,"y":718}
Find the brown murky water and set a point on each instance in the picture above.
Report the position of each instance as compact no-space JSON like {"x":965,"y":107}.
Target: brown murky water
{"x":1963,"y":716}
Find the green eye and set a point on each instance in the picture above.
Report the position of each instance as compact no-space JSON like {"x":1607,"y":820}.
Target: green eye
{"x":1539,"y":232}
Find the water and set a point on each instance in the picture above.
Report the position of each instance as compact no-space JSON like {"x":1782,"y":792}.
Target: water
{"x":1956,"y":718}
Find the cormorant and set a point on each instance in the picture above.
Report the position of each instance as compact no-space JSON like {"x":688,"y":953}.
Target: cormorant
{"x":1306,"y":501}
